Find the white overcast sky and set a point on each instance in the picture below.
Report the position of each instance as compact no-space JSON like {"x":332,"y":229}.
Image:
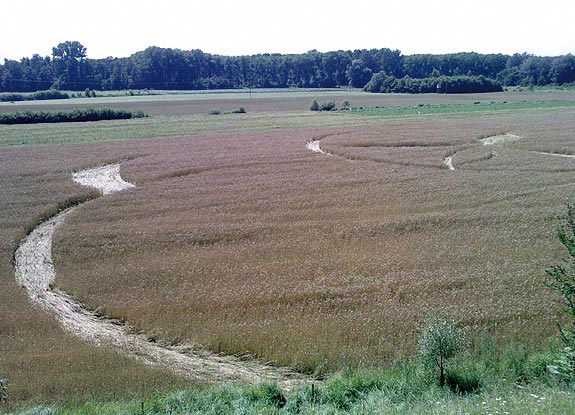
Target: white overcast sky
{"x":242,"y":27}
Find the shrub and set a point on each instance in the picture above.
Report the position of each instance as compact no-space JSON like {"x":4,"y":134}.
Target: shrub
{"x":345,"y":389}
{"x":215,"y":111}
{"x":327,"y":106}
{"x":345,"y":104}
{"x":33,"y":117}
{"x":439,"y":340}
{"x":562,"y":280}
{"x":50,"y":94}
{"x":463,"y":381}
{"x":564,"y":365}
{"x":36,"y":96}
{"x":269,"y":393}
{"x":536,"y":365}
{"x":3,"y":390}
{"x":240,"y":110}
{"x":11,"y":97}
{"x":314,"y":106}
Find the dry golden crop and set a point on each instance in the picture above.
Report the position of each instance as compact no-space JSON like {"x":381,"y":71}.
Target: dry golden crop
{"x":41,"y":361}
{"x":250,"y":243}
{"x":247,"y":242}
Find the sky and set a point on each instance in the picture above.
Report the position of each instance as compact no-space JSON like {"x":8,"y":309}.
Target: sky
{"x":120,"y":28}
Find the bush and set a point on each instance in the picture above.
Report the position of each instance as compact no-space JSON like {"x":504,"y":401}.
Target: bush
{"x":314,"y":106}
{"x":345,"y":389}
{"x":11,"y":97}
{"x":215,"y":111}
{"x":439,"y":340}
{"x":3,"y":390}
{"x":463,"y":381}
{"x":50,"y":94}
{"x":564,"y":365}
{"x":32,"y":117}
{"x":562,"y":280}
{"x":36,"y":96}
{"x":240,"y":110}
{"x":536,"y":366}
{"x":327,"y":106}
{"x":269,"y":393}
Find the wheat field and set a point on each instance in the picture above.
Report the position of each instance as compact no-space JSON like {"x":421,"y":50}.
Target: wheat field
{"x":243,"y":241}
{"x":251,"y":244}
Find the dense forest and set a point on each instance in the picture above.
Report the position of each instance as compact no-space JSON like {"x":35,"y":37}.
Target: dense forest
{"x":69,"y":68}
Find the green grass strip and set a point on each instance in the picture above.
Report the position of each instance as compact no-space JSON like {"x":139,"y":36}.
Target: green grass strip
{"x":423,"y":109}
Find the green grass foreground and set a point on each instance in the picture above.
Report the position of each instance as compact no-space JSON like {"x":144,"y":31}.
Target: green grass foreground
{"x":514,"y":383}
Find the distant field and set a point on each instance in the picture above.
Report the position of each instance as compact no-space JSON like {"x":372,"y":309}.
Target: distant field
{"x":274,"y":101}
{"x":240,"y":239}
{"x":187,"y":115}
{"x":477,"y":106}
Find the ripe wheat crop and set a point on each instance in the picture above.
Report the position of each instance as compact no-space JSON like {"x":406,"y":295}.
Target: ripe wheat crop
{"x":321,"y":262}
{"x":241,"y":240}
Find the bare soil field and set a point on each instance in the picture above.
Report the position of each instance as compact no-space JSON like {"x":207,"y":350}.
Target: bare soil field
{"x":248,"y":242}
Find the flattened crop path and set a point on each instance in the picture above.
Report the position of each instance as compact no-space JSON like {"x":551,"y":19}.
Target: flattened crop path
{"x":35,"y":272}
{"x":314,"y":146}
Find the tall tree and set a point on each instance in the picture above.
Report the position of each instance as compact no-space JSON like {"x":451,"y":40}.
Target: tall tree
{"x":69,"y":65}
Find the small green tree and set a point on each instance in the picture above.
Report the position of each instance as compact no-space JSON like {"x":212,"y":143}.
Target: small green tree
{"x":562,"y":280}
{"x":439,"y":340}
{"x":314,"y":106}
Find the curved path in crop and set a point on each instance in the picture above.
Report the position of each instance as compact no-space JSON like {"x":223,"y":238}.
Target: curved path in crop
{"x":494,"y":140}
{"x":314,"y":146}
{"x":35,"y":272}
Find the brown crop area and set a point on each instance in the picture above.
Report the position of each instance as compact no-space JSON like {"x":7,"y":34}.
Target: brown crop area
{"x":41,"y":361}
{"x":249,"y":243}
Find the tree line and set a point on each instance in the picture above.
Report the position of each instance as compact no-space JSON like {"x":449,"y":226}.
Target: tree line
{"x":456,"y":84}
{"x":69,"y":68}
